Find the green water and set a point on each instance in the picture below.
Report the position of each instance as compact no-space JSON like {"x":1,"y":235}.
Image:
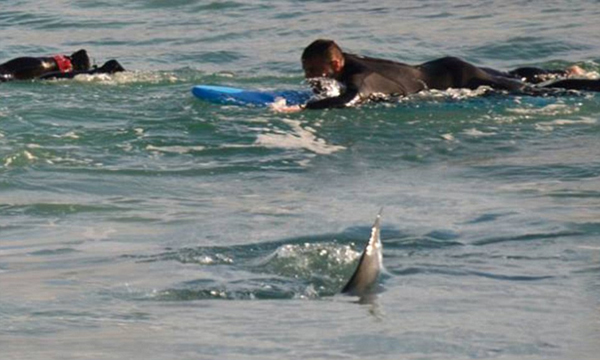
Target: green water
{"x":139,"y":222}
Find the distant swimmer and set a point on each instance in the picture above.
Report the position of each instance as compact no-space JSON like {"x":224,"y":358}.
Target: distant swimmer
{"x":53,"y":67}
{"x":365,"y":79}
{"x":365,"y":278}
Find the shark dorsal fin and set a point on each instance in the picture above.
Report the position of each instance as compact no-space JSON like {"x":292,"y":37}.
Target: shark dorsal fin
{"x":367,"y":272}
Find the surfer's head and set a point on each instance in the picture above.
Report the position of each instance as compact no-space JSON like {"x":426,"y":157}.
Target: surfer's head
{"x":322,"y":58}
{"x":80,"y":60}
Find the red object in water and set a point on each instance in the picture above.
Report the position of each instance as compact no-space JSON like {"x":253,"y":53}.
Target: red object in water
{"x":63,"y":63}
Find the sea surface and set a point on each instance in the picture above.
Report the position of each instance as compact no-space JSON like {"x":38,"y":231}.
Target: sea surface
{"x":137,"y":222}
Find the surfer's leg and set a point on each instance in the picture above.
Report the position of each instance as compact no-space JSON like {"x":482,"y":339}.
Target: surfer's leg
{"x":452,"y":72}
{"x":575,"y":84}
{"x":537,"y":75}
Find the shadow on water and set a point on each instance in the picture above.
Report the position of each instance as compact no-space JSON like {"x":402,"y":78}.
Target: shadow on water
{"x":309,"y":267}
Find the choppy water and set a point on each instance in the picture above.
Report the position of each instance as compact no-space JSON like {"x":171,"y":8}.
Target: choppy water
{"x":137,"y":222}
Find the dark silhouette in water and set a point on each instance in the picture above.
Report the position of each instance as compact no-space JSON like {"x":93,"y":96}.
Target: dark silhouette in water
{"x":54,"y":67}
{"x":366,"y":79}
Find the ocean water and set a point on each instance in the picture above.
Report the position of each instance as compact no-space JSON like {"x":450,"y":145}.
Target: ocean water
{"x":137,"y":222}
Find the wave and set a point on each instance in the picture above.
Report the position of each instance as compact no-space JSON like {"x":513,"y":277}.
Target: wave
{"x":305,"y":267}
{"x":526,"y":237}
{"x":298,"y":138}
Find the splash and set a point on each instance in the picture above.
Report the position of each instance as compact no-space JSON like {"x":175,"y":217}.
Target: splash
{"x":305,"y":260}
{"x":449,"y":94}
{"x":323,"y":87}
{"x":548,"y":110}
{"x":299,"y":138}
{"x":285,"y":270}
{"x":128,"y":77}
{"x":550,"y":125}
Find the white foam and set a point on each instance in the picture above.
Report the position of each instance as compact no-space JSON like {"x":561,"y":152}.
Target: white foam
{"x":551,"y":110}
{"x":299,"y":138}
{"x":448,"y":137}
{"x":341,"y":254}
{"x":457,"y":94}
{"x":542,"y":127}
{"x":325,"y":87}
{"x":70,"y":135}
{"x":24,"y":154}
{"x":562,"y":122}
{"x":127,"y":77}
{"x":29,"y":155}
{"x":550,"y":125}
{"x":478,"y":133}
{"x":593,"y":75}
{"x":175,"y":149}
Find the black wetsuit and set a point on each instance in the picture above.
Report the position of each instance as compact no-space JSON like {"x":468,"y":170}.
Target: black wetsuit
{"x":109,"y":67}
{"x":60,"y":66}
{"x":556,"y":79}
{"x":25,"y":68}
{"x":366,"y":78}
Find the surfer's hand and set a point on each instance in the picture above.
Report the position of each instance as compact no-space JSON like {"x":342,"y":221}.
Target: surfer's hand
{"x":289,"y":109}
{"x":281,"y":107}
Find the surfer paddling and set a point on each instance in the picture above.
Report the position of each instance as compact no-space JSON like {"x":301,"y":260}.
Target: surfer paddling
{"x":365,"y":79}
{"x":54,"y":67}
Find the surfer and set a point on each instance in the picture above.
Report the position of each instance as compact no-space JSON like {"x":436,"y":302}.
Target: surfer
{"x":52,"y":67}
{"x":365,"y":78}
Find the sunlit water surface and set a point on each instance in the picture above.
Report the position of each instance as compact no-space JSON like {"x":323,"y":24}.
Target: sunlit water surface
{"x":138,"y":222}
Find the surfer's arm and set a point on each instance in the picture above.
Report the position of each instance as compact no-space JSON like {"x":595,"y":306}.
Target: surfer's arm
{"x":347,"y":99}
{"x":350,"y":97}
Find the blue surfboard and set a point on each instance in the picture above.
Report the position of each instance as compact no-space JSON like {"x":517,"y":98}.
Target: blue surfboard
{"x":237,"y":96}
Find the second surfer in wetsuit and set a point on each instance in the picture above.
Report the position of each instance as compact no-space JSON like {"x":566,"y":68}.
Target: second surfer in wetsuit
{"x":365,"y":78}
{"x":57,"y":66}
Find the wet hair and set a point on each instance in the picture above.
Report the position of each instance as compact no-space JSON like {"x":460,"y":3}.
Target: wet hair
{"x":80,"y":60}
{"x":323,"y":49}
